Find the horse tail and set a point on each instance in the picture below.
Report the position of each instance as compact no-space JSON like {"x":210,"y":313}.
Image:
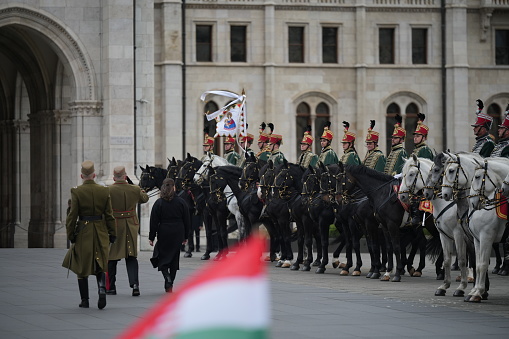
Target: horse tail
{"x":433,"y":248}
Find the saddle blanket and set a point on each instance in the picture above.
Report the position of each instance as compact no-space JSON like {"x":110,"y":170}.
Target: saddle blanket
{"x":395,"y":188}
{"x":426,"y":206}
{"x":503,"y":207}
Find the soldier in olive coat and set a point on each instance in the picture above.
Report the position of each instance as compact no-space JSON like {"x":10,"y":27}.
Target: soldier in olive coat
{"x":397,"y":156}
{"x":484,"y":144}
{"x":124,"y":198}
{"x":229,"y":152}
{"x":327,"y":155}
{"x":263,"y":141}
{"x":375,"y":159}
{"x":90,"y":228}
{"x":350,"y":156}
{"x":246,"y":142}
{"x":307,"y":157}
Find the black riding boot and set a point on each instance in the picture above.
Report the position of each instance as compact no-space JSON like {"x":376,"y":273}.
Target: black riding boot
{"x":101,"y":286}
{"x":112,"y":277}
{"x":416,"y":213}
{"x":504,"y":270}
{"x":83,"y":286}
{"x":168,"y":282}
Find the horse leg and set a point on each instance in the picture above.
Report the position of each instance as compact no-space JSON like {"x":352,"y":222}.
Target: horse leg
{"x":348,"y":249}
{"x":274,"y":241}
{"x":324,"y":237}
{"x":389,"y":256}
{"x":301,"y":237}
{"x":422,"y":255}
{"x":383,"y":248}
{"x":481,"y":267}
{"x":342,"y":242}
{"x":357,"y":248}
{"x":308,"y":241}
{"x":447,"y":248}
{"x":498,"y":262}
{"x":396,"y":247}
{"x":373,"y":241}
{"x":208,"y":221}
{"x":461,"y":257}
{"x":318,"y":242}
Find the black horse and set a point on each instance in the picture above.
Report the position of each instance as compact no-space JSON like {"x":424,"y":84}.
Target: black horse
{"x":152,"y":177}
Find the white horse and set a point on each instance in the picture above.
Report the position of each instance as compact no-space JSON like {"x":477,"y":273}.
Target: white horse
{"x":417,"y":175}
{"x":485,"y":225}
{"x":203,"y":175}
{"x":505,"y":186}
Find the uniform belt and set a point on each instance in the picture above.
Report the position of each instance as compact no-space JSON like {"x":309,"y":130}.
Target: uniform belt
{"x":91,"y":217}
{"x":123,"y":214}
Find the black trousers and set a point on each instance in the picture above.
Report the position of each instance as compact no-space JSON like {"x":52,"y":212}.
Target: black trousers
{"x":131,"y":264}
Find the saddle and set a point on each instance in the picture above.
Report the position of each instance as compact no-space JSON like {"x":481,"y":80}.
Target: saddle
{"x":503,"y":207}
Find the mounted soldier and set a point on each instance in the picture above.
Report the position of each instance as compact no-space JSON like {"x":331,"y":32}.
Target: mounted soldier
{"x":208,"y":144}
{"x":263,"y":141}
{"x":307,"y":157}
{"x":502,"y":147}
{"x":229,"y":151}
{"x":375,"y":159}
{"x":422,"y":150}
{"x":350,"y":155}
{"x":397,"y":156}
{"x":327,"y":156}
{"x":275,"y":141}
{"x":484,"y":144}
{"x":246,"y":142}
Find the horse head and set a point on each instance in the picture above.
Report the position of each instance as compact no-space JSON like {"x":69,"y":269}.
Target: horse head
{"x":328,"y":180}
{"x":505,"y":186}
{"x":435,"y":175}
{"x":186,"y":172}
{"x":414,"y":171}
{"x":266,"y":180}
{"x":458,"y":174}
{"x":250,"y":175}
{"x":310,"y":181}
{"x":488,"y":178}
{"x":147,"y":179}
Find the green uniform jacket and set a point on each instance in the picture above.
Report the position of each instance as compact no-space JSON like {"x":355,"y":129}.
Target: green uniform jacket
{"x":328,"y":156}
{"x":264,"y":154}
{"x":375,"y":159}
{"x":423,"y":151}
{"x":395,"y":160}
{"x":308,"y":158}
{"x":350,"y":157}
{"x":124,"y":198}
{"x":501,"y":149}
{"x":277,"y":157}
{"x":242,"y":161}
{"x":483,"y":146}
{"x":92,"y":241}
{"x":232,"y":157}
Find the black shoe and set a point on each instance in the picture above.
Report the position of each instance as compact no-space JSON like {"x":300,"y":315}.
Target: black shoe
{"x":101,"y":284}
{"x":198,"y":250}
{"x":84,"y":303}
{"x":136,"y":290}
{"x":111,"y":292}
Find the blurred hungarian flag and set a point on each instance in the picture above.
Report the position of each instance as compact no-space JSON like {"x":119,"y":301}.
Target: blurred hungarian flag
{"x":234,"y":292}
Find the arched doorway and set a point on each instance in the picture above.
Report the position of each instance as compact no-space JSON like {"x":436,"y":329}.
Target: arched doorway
{"x":47,"y":88}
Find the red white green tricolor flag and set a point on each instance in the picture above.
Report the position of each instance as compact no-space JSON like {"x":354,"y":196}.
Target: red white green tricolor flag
{"x":234,"y":291}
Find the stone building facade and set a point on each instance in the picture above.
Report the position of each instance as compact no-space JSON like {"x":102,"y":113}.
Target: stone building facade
{"x":119,"y":83}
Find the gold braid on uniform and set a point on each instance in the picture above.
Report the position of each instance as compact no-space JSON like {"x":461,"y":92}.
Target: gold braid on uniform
{"x":372,"y":158}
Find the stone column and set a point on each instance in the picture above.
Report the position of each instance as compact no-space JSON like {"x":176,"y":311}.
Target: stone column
{"x":8,"y":152}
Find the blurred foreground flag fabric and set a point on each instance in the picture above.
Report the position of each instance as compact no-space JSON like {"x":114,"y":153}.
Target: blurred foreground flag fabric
{"x":233,"y":292}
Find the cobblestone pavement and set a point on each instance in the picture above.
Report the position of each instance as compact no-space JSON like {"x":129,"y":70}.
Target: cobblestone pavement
{"x":37,"y":300}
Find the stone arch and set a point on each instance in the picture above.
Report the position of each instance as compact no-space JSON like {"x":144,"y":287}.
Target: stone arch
{"x":64,"y":42}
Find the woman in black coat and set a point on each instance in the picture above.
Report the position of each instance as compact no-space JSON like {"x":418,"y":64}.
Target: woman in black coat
{"x":170,"y":222}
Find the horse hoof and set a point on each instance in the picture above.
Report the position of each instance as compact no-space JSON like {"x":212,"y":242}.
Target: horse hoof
{"x":385,"y":278}
{"x":205,"y":257}
{"x":440,"y":276}
{"x":294,"y":267}
{"x":440,"y":293}
{"x":417,"y":274}
{"x":375,"y":276}
{"x":306,"y":268}
{"x":396,"y":278}
{"x":485,"y":296}
{"x":475,"y":299}
{"x":188,"y":255}
{"x":503,"y":273}
{"x":316,"y":263}
{"x":459,"y":293}
{"x":356,"y":273}
{"x":471,"y":280}
{"x":467,"y":298}
{"x":320,"y":270}
{"x":411,"y":271}
{"x":335,"y":264}
{"x":495,"y":270}
{"x":369,"y":275}
{"x":343,"y":272}
{"x":279,"y":263}
{"x":458,"y":278}
{"x":267,"y":258}
{"x":342,"y":265}
{"x":286,"y":264}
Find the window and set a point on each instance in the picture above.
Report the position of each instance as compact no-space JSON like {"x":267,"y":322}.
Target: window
{"x":238,"y":43}
{"x":211,"y":107}
{"x":410,"y":126}
{"x":419,"y":45}
{"x":502,"y":47}
{"x":203,"y":43}
{"x":322,"y":115}
{"x":303,"y":120}
{"x":392,"y":110}
{"x":296,"y":44}
{"x":386,"y":45}
{"x":494,"y":111}
{"x":329,"y":45}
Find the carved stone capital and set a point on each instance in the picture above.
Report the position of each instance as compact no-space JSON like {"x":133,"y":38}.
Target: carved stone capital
{"x":86,"y":108}
{"x":485,"y":14}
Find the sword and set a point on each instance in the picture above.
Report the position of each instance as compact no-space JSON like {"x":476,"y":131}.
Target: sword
{"x":70,"y":259}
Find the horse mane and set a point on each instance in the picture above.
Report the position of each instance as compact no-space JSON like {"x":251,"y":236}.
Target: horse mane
{"x":410,"y":161}
{"x":295,"y":170}
{"x":363,"y":170}
{"x":230,"y":171}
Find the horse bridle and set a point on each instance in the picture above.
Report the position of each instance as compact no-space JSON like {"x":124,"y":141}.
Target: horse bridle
{"x":342,"y":178}
{"x":217,"y":192}
{"x":264,"y":187}
{"x":481,"y":192}
{"x":455,"y":189}
{"x":434,"y":186}
{"x":282,"y":189}
{"x":411,"y":190}
{"x":245,"y":181}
